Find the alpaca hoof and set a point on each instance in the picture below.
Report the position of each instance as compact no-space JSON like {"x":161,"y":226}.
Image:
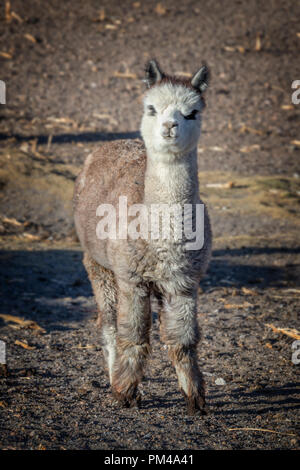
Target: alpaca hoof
{"x":195,"y":405}
{"x":126,"y":400}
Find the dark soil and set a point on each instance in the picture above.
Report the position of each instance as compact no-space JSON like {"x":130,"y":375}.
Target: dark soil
{"x":63,"y":100}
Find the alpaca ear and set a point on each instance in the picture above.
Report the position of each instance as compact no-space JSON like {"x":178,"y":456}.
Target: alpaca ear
{"x":153,"y":74}
{"x":200,"y":79}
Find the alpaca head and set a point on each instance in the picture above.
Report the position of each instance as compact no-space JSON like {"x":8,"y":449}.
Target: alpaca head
{"x":171,"y":122}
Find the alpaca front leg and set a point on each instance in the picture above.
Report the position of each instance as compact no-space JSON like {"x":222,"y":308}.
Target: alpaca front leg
{"x":132,"y":342}
{"x":180,"y":332}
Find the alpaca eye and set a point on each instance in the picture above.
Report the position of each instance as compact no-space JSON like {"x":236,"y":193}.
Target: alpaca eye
{"x":192,"y":115}
{"x":151,"y":110}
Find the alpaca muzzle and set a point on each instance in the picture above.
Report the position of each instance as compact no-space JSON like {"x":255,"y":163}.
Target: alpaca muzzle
{"x":169,"y":129}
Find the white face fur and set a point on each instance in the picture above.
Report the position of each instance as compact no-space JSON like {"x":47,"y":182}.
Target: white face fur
{"x":171,"y":122}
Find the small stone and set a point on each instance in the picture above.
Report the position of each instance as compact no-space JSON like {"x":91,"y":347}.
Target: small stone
{"x":220,"y":381}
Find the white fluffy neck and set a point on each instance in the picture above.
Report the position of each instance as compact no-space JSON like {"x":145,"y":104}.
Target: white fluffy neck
{"x":171,"y":179}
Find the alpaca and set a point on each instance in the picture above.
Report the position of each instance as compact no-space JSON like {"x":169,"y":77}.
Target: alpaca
{"x":127,"y":272}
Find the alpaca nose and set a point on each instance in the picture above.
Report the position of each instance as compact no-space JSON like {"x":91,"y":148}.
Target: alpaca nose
{"x":169,"y":128}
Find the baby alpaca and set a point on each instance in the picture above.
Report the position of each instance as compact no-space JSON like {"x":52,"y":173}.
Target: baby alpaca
{"x":127,"y":271}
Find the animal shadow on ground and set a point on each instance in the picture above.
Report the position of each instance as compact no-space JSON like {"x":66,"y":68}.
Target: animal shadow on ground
{"x":65,"y":138}
{"x":51,"y":286}
{"x":234,"y":267}
{"x":259,"y":401}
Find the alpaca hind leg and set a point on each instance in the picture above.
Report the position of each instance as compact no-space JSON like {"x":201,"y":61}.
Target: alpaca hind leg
{"x":105,"y":291}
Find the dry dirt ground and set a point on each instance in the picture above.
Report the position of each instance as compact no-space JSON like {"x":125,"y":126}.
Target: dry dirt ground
{"x":73,"y":75}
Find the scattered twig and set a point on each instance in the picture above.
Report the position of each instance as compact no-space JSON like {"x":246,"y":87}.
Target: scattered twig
{"x":24,"y":345}
{"x":249,"y":148}
{"x":262,"y":430}
{"x":7,"y":12}
{"x":291,"y":332}
{"x":28,"y":235}
{"x":215,"y":148}
{"x":20,"y":321}
{"x":293,"y":291}
{"x":101,"y":16}
{"x":49,"y":142}
{"x":228,"y":185}
{"x":287,"y":107}
{"x":258,"y":43}
{"x":111,"y":26}
{"x":250,"y":130}
{"x":30,"y":38}
{"x":88,"y":346}
{"x":247,"y":291}
{"x":12,"y":221}
{"x":240,"y":49}
{"x":6,"y":55}
{"x":184,"y":74}
{"x":244,"y":305}
{"x":16,"y":16}
{"x":125,"y":75}
{"x":160,"y":9}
